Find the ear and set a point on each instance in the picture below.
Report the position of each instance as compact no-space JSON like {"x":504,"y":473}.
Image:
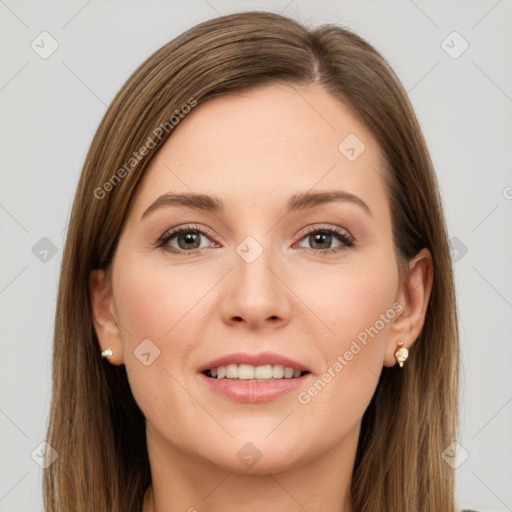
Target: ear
{"x":104,"y":314}
{"x":413,"y":296}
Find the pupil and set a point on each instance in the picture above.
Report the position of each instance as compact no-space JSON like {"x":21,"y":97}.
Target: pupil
{"x":323,"y":237}
{"x":189,"y":237}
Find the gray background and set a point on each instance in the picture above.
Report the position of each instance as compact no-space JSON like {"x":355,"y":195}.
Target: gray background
{"x":50,"y":108}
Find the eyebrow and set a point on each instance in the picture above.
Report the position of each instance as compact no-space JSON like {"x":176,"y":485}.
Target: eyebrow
{"x":296,"y":202}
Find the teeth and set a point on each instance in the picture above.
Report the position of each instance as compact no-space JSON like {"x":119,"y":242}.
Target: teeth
{"x":248,"y":372}
{"x":263,"y":372}
{"x":232,"y":371}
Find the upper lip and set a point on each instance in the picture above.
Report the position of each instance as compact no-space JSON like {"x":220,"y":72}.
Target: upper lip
{"x":260,"y":359}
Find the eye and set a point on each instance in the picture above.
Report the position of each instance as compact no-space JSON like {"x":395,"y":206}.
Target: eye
{"x":187,"y":240}
{"x":183,"y":240}
{"x":322,"y":238}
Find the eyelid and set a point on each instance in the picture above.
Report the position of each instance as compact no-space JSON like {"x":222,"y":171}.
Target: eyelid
{"x":323,"y":227}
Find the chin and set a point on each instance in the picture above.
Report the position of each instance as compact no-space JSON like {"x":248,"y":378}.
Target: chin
{"x":258,"y":457}
{"x":266,"y":464}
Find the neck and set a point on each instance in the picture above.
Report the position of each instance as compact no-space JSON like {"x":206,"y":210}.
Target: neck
{"x":182,"y":482}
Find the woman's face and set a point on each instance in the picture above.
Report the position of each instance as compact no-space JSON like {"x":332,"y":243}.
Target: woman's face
{"x":316,"y":284}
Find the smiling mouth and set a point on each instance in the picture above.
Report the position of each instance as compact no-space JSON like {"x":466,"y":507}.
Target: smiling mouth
{"x":247,"y":372}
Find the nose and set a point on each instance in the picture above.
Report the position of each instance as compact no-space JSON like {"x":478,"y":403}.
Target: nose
{"x":256,"y":293}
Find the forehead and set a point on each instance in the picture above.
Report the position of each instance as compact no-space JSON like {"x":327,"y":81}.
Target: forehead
{"x":262,"y":144}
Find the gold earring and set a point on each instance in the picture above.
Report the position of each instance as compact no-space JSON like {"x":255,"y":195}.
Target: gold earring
{"x":401,"y":354}
{"x":107,"y":353}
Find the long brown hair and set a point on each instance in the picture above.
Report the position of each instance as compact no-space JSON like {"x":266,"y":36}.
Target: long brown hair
{"x":95,"y":425}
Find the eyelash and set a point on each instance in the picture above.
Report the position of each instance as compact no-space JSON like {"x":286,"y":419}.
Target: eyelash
{"x":343,"y":237}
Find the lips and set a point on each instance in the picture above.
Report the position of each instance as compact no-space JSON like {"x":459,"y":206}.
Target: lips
{"x":254,"y":388}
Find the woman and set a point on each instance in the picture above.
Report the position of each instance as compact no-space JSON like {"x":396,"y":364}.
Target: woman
{"x":256,"y":306}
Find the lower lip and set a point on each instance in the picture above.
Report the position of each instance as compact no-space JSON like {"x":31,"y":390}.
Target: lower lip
{"x":255,"y":391}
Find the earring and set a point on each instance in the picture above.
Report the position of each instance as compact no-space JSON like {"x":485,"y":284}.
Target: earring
{"x":107,"y":353}
{"x":401,"y":354}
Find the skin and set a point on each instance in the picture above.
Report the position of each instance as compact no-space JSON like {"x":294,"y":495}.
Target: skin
{"x":254,"y":150}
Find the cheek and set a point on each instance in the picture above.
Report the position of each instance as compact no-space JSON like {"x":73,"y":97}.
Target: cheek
{"x":351,"y":299}
{"x":159,"y":305}
{"x":151,"y":302}
{"x":355,"y":304}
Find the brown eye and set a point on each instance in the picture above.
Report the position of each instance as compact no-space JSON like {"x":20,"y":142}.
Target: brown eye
{"x":320,"y":240}
{"x":188,"y":240}
{"x":184,"y":240}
